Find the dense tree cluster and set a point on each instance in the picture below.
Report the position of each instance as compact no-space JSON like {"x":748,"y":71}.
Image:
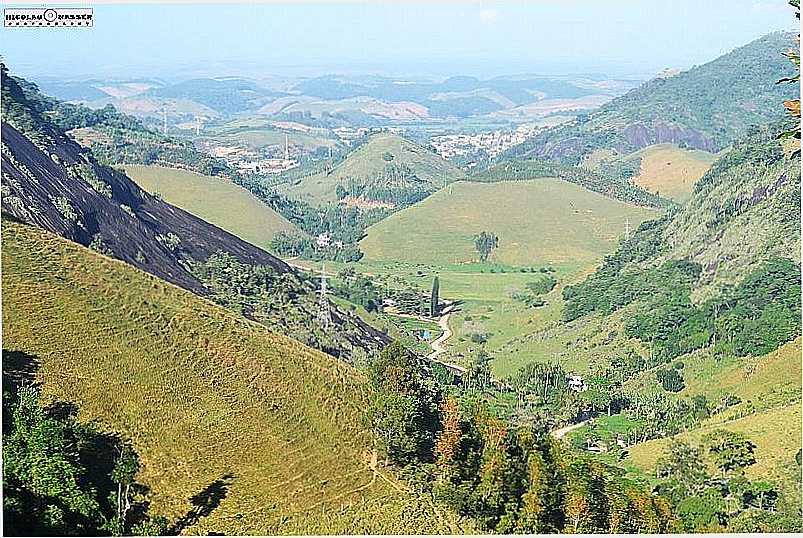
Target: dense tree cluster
{"x":613,"y":180}
{"x":753,"y":318}
{"x":485,"y":243}
{"x":728,"y":502}
{"x":285,"y":302}
{"x":63,"y":477}
{"x":395,"y":184}
{"x":506,"y":478}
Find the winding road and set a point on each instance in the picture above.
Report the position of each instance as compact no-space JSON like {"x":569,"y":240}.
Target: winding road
{"x":437,"y":345}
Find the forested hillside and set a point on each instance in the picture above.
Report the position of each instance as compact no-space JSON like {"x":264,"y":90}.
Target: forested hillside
{"x":706,"y":107}
{"x":612,"y":185}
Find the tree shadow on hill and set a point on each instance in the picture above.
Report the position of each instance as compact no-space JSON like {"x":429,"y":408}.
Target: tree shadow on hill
{"x":204,"y":503}
{"x":18,"y":368}
{"x":455,"y":305}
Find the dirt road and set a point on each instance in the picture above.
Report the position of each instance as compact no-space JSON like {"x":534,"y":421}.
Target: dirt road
{"x":561,"y":432}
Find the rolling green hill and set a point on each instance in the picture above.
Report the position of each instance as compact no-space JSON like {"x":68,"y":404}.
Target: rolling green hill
{"x":387,"y":168}
{"x":538,"y":222}
{"x":215,"y":200}
{"x":205,"y":397}
{"x":706,"y":107}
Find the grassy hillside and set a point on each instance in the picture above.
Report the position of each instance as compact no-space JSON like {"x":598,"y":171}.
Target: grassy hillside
{"x":689,"y":108}
{"x":744,"y":211}
{"x":208,"y":399}
{"x":215,"y":200}
{"x":670,"y":170}
{"x":258,"y":132}
{"x":538,"y":222}
{"x":776,"y":433}
{"x":768,"y":413}
{"x":384,"y":163}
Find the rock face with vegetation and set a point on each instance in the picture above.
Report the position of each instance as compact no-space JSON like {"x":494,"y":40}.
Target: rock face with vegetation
{"x":726,"y":265}
{"x":51,"y":182}
{"x":706,"y":107}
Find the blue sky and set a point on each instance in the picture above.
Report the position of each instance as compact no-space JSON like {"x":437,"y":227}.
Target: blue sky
{"x":619,"y":37}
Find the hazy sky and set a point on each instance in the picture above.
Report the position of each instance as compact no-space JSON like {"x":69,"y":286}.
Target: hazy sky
{"x":621,"y":37}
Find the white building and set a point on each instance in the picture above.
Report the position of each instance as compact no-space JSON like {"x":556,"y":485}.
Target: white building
{"x":576,"y":383}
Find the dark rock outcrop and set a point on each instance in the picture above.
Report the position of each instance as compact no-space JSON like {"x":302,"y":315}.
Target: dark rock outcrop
{"x":62,"y":189}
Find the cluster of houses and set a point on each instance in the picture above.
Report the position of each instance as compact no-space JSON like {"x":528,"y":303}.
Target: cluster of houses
{"x":492,"y":143}
{"x":250,"y":161}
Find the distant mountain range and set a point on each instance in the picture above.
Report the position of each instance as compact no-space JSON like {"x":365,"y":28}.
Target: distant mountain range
{"x":377,"y":98}
{"x":706,"y":107}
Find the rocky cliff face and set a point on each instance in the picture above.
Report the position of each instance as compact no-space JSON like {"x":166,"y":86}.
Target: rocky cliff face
{"x":640,"y":135}
{"x":61,"y":188}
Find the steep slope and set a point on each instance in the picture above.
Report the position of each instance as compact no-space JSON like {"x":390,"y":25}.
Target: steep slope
{"x":670,"y":170}
{"x":52,"y":182}
{"x":706,"y":107}
{"x":744,"y":211}
{"x":768,"y":412}
{"x":215,"y":200}
{"x":734,"y":245}
{"x":61,"y":188}
{"x":239,"y":430}
{"x":538,"y":222}
{"x":386,"y":169}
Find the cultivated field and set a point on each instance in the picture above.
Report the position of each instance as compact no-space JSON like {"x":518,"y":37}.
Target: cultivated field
{"x":539,"y":222}
{"x":215,"y":200}
{"x":206,"y":397}
{"x":671,"y":171}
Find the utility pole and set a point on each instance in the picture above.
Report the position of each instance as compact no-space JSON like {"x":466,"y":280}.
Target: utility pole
{"x":324,"y":315}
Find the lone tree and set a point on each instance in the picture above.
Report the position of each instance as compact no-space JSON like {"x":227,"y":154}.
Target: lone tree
{"x":434,"y":301}
{"x":485,"y":242}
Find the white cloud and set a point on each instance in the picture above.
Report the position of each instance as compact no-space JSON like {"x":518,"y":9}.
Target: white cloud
{"x":488,"y":15}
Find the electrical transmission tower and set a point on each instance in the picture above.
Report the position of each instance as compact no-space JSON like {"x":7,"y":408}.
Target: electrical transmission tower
{"x":324,"y":314}
{"x":627,"y":228}
{"x":164,"y":116}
